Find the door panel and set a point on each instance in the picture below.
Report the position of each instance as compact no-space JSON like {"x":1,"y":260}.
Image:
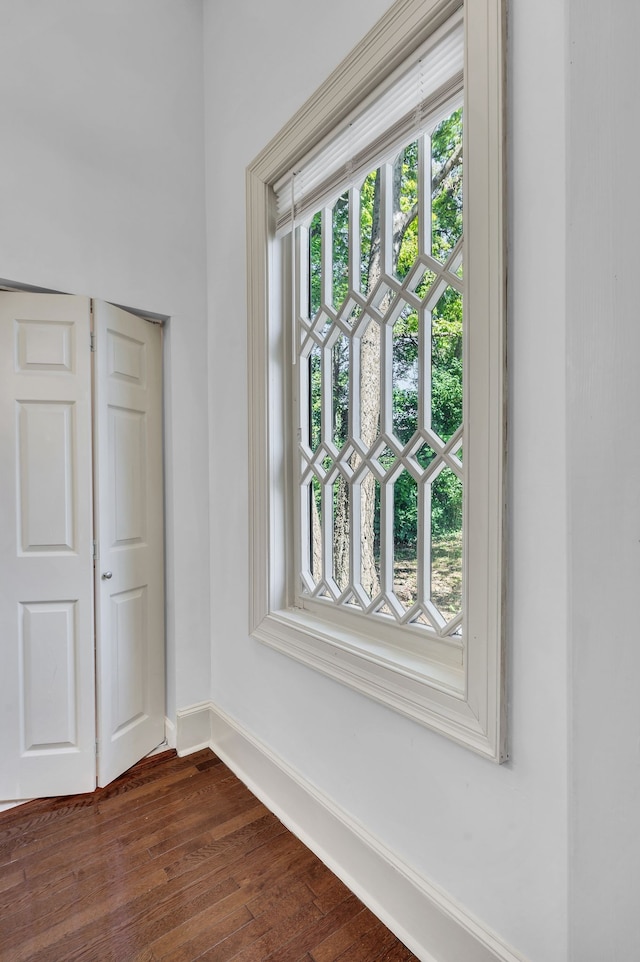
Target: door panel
{"x":47,"y":704}
{"x":129,"y":524}
{"x":127,"y":445}
{"x":46,"y":450}
{"x":48,"y":645}
{"x":129,"y":637}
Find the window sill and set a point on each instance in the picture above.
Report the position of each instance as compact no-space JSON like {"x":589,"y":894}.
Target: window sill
{"x":430,"y":693}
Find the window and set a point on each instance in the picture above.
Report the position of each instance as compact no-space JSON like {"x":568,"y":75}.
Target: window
{"x":376,"y":332}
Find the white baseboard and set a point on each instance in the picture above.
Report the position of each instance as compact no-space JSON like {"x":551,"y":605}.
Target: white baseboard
{"x":425,"y":918}
{"x":193,"y":728}
{"x":5,"y":806}
{"x":169,"y":732}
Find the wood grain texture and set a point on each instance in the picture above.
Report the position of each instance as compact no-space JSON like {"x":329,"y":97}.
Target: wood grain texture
{"x":174,"y":861}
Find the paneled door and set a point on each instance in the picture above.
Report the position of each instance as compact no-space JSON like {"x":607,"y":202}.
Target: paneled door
{"x":129,"y":587}
{"x":59,"y":477}
{"x":47,"y":689}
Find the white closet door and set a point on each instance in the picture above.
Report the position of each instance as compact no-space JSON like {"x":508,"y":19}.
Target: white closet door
{"x":129,"y":529}
{"x":47,"y":705}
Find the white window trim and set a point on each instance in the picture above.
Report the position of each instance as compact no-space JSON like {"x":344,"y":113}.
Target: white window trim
{"x":464,"y":700}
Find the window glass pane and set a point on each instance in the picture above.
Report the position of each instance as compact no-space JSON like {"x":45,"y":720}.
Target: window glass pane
{"x":315,"y":264}
{"x":405,"y":539}
{"x":340,"y":389}
{"x":370,"y":384}
{"x":405,"y":375}
{"x":315,"y":547}
{"x":341,"y":529}
{"x":370,"y":535}
{"x":423,"y":279}
{"x":340,"y":249}
{"x":315,"y":397}
{"x":405,"y":210}
{"x":425,"y":455}
{"x":446,"y":364}
{"x":446,"y":543}
{"x":369,"y":232}
{"x":446,"y":185}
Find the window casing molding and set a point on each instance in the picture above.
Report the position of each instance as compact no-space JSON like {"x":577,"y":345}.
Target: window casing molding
{"x":461,"y":694}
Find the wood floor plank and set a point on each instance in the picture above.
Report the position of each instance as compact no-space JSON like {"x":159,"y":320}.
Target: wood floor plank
{"x":245,"y":839}
{"x":315,"y":933}
{"x":330,"y":894}
{"x":205,"y":937}
{"x":11,"y":878}
{"x":288,"y":892}
{"x":396,"y":953}
{"x":202,"y":931}
{"x":279,"y":875}
{"x":346,"y":936}
{"x":279,"y":931}
{"x":175,"y":861}
{"x":368,"y":948}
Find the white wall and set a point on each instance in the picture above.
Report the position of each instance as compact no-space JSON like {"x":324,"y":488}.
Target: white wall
{"x":495,"y":838}
{"x":604,"y":474}
{"x":101,"y":193}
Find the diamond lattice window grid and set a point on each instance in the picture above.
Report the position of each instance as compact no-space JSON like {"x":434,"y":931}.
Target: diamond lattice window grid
{"x":384,"y":523}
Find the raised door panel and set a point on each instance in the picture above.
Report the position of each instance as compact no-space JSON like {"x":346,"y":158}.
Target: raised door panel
{"x":45,"y":346}
{"x":126,"y":358}
{"x":127,"y":471}
{"x":129,"y":637}
{"x":48,"y":675}
{"x":46,"y":471}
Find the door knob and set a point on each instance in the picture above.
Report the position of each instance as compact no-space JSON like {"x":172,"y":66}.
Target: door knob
{"x":107,"y":575}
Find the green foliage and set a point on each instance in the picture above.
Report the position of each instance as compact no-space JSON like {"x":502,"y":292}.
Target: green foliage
{"x":405,"y":511}
{"x":446,"y":364}
{"x":315,"y":264}
{"x":368,"y":202}
{"x":446,"y":333}
{"x":446,"y":505}
{"x":405,"y":414}
{"x":340,"y":265}
{"x":446,"y":320}
{"x":446,"y":202}
{"x":405,"y":199}
{"x":315,"y":400}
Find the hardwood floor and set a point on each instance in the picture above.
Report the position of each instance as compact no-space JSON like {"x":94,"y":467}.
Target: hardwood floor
{"x":174,"y":861}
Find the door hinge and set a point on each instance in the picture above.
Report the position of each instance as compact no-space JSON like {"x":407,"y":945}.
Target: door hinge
{"x":95,"y":550}
{"x":92,"y":341}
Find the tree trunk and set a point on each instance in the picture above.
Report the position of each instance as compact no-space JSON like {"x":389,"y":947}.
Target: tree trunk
{"x":370,"y":412}
{"x":370,"y":394}
{"x":316,"y":538}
